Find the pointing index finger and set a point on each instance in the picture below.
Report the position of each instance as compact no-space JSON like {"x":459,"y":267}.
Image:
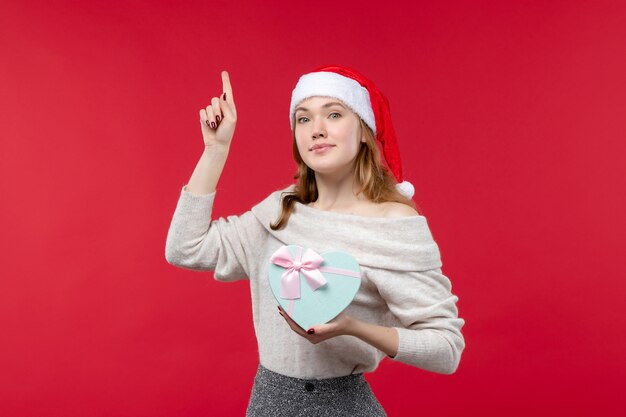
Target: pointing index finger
{"x":226,"y":86}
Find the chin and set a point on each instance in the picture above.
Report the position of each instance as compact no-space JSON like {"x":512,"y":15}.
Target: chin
{"x":327,"y":168}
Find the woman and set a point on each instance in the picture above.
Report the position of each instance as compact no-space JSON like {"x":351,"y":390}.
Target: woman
{"x":345,"y":200}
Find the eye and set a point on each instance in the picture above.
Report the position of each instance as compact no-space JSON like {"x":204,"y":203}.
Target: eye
{"x":300,"y":118}
{"x":336,"y":114}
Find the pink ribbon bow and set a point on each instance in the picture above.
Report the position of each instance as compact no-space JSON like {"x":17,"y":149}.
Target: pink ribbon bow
{"x":307,"y":263}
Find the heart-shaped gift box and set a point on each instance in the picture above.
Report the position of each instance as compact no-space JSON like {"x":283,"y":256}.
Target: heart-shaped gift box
{"x":313,"y":288}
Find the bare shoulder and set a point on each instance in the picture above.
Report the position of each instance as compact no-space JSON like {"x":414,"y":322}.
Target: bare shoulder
{"x":394,"y":209}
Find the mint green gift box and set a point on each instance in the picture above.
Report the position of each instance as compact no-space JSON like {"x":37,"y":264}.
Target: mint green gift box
{"x":313,"y":288}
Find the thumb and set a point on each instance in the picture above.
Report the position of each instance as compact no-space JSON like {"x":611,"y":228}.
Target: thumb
{"x":228,"y":107}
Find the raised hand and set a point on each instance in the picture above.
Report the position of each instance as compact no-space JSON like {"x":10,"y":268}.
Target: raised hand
{"x":219,"y":118}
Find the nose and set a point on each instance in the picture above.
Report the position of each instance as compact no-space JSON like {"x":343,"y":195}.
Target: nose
{"x":319,"y":130}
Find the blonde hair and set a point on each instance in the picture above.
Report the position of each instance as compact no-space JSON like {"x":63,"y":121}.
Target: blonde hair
{"x":376,"y":181}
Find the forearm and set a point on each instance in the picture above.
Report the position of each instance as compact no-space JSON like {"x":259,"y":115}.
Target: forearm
{"x":208,"y":170}
{"x":383,"y":338}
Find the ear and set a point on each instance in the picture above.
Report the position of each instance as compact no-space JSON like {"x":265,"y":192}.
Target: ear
{"x":362,"y":133}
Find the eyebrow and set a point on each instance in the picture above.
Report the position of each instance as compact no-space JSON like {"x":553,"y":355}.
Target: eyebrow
{"x":332,"y":103}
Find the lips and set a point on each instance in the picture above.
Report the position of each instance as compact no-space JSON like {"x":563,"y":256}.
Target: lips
{"x":321,"y":146}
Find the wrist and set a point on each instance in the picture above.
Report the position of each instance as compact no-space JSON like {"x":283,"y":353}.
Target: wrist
{"x":216,"y":149}
{"x":385,"y":339}
{"x":354,"y":327}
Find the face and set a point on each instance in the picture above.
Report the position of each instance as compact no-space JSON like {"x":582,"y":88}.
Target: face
{"x":329,"y":122}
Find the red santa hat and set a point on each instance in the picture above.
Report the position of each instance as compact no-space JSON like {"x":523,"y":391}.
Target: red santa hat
{"x":365,"y":99}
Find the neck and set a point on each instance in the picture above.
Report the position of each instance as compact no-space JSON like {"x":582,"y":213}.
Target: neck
{"x":336,"y":192}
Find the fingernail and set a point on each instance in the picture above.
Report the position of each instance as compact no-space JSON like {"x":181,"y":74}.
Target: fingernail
{"x":213,"y":125}
{"x":311,"y":331}
{"x":207,"y":123}
{"x":217,"y":118}
{"x":224,"y":95}
{"x":278,"y":308}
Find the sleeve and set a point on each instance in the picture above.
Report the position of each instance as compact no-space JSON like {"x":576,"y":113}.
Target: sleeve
{"x":431,"y":337}
{"x":225,"y":245}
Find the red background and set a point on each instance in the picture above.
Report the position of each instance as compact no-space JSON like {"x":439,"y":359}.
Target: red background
{"x":511,"y":122}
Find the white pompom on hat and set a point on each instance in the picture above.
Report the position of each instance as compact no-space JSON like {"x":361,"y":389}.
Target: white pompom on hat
{"x":365,"y":99}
